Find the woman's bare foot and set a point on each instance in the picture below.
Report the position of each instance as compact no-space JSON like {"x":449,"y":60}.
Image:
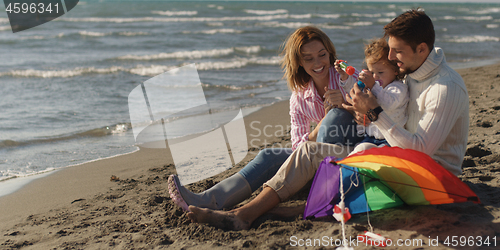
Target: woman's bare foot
{"x":226,"y":220}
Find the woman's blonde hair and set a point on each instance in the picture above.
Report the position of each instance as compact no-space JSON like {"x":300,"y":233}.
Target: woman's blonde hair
{"x":297,"y":78}
{"x":378,"y":50}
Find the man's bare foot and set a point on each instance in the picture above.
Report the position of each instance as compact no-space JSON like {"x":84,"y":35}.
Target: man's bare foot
{"x":221,"y":219}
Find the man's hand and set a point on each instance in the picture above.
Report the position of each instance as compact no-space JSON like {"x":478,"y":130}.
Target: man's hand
{"x":361,"y":119}
{"x":360,"y":102}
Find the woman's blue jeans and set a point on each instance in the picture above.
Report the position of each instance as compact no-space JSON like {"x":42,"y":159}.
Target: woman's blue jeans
{"x":338,"y":127}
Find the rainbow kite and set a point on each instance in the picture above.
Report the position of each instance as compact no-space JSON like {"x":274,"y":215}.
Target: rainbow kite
{"x":382,"y":178}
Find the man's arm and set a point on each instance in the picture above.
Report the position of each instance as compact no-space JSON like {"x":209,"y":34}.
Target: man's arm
{"x":443,"y":105}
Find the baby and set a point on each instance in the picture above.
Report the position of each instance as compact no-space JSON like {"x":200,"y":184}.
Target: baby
{"x":383,"y":79}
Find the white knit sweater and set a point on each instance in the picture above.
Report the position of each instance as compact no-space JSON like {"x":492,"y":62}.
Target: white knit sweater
{"x":438,"y":114}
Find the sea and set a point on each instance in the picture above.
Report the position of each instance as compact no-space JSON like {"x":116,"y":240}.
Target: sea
{"x":65,"y":84}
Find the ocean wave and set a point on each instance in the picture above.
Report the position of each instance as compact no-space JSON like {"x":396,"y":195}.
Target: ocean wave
{"x":472,"y":39}
{"x":232,"y":87}
{"x":486,"y":11}
{"x":468,"y":18}
{"x":32,"y":38}
{"x":266,"y":12}
{"x":214,"y":31}
{"x":194,"y":54}
{"x":384,"y":20}
{"x":91,"y":33}
{"x":97,"y":132}
{"x":290,"y":25}
{"x":328,"y":16}
{"x":215,"y":24}
{"x":360,"y":24}
{"x":101,"y":34}
{"x":492,"y":26}
{"x":4,"y":28}
{"x":177,"y":19}
{"x":61,"y":73}
{"x":143,"y":70}
{"x":152,"y":70}
{"x":295,"y":25}
{"x":366,"y":15}
{"x":132,"y":33}
{"x":303,"y":16}
{"x":175,"y":13}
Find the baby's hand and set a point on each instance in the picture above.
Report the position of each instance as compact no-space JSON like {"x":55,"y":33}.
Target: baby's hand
{"x":343,"y":74}
{"x":366,"y":77}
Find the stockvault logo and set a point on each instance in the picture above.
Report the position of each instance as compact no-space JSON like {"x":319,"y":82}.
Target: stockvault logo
{"x":170,"y":111}
{"x":26,"y":14}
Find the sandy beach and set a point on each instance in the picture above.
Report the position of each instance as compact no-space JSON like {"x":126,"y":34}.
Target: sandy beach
{"x":83,"y":207}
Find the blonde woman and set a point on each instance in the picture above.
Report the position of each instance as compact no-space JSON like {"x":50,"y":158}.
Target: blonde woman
{"x":317,"y":96}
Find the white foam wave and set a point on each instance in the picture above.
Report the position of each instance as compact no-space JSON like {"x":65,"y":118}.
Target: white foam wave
{"x":473,"y":39}
{"x":492,"y":26}
{"x":328,"y":16}
{"x":214,"y":31}
{"x":91,"y":33}
{"x":360,"y":24}
{"x":176,"y":13}
{"x":295,"y":25}
{"x":367,"y":15}
{"x":487,"y":11}
{"x":468,"y":18}
{"x":61,"y":73}
{"x":384,"y":20}
{"x":180,"y":19}
{"x":143,"y":70}
{"x":192,"y":54}
{"x":237,"y":63}
{"x":290,"y":25}
{"x":131,"y":33}
{"x":266,"y":12}
{"x":334,"y":27}
{"x":3,"y":28}
{"x":477,"y":18}
{"x":33,"y":38}
{"x":215,"y":24}
{"x":304,"y":16}
{"x":4,"y":20}
{"x":152,"y":70}
{"x":249,"y":49}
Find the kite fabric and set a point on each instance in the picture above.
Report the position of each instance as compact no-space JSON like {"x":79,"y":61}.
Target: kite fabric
{"x":382,"y":178}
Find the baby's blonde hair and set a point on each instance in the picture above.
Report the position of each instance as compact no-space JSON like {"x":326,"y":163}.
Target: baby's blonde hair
{"x":378,"y":51}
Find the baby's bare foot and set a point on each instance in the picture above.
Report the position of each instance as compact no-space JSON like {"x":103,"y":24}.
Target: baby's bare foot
{"x":221,"y":219}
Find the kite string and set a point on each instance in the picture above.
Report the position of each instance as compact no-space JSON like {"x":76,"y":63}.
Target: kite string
{"x":367,"y":209}
{"x":342,"y":206}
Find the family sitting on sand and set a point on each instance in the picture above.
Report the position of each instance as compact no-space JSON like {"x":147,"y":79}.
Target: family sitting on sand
{"x":428,"y":113}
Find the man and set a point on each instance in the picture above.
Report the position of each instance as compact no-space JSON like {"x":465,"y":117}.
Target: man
{"x":437,"y":124}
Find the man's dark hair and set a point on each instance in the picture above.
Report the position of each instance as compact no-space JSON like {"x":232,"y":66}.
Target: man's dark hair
{"x":413,"y":27}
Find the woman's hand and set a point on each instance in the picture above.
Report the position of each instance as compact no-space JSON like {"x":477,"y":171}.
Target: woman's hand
{"x":343,"y":74}
{"x":333,"y":97}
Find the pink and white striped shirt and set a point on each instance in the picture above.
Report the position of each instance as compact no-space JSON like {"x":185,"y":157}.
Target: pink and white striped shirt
{"x":306,"y":106}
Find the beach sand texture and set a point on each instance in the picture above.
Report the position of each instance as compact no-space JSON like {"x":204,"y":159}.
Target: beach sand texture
{"x":82,"y":207}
